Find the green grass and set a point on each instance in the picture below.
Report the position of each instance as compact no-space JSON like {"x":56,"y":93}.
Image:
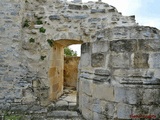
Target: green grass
{"x":13,"y":117}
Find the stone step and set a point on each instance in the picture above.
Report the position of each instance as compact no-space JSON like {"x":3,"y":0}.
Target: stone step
{"x":63,"y":114}
{"x":77,"y":118}
{"x":63,"y":105}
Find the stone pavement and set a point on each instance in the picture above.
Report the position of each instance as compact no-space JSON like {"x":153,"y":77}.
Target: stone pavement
{"x":65,"y":108}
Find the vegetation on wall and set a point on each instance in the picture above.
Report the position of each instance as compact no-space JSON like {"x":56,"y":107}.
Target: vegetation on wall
{"x":39,"y":22}
{"x":42,"y":30}
{"x":26,"y":23}
{"x":13,"y":117}
{"x":43,"y":57}
{"x":31,"y":40}
{"x":50,"y":42}
{"x":69,"y":52}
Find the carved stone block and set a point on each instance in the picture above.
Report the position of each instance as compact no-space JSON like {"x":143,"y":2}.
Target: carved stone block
{"x":140,"y":60}
{"x":98,"y":60}
{"x":85,"y":48}
{"x":123,"y":46}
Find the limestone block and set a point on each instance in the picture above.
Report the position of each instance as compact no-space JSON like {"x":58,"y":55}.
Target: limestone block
{"x":8,"y":78}
{"x":80,"y":100}
{"x":101,"y":35}
{"x":135,"y":33}
{"x":82,"y":16}
{"x":108,"y":92}
{"x":62,"y":113}
{"x":19,"y":108}
{"x":38,"y":26}
{"x":97,"y":116}
{"x":34,"y":31}
{"x":109,"y":109}
{"x":87,"y":101}
{"x":102,"y":72}
{"x":100,"y":46}
{"x":154,"y":60}
{"x":54,"y":17}
{"x":131,"y":80}
{"x":97,"y":11}
{"x":124,"y":111}
{"x":28,"y":97}
{"x":120,"y":73}
{"x":98,"y":59}
{"x":140,"y":110}
{"x":85,"y":60}
{"x":127,"y":95}
{"x":151,"y":96}
{"x":149,"y":45}
{"x":120,"y":33}
{"x":87,"y":86}
{"x":154,"y":110}
{"x":87,"y":114}
{"x":5,"y":106}
{"x":156,"y":73}
{"x":94,"y":20}
{"x":74,"y":36}
{"x":120,"y":60}
{"x":96,"y":106}
{"x":86,"y":75}
{"x":120,"y":94}
{"x":140,"y":60}
{"x":100,"y":79}
{"x":61,"y":104}
{"x":123,"y":45}
{"x":85,"y":48}
{"x":134,"y":73}
{"x":75,"y":7}
{"x":149,"y":33}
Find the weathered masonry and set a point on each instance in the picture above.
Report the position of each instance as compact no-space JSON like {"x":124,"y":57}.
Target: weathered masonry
{"x":119,"y":70}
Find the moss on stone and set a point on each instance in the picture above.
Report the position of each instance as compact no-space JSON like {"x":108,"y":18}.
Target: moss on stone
{"x":50,"y":42}
{"x":43,"y":57}
{"x":42,"y":30}
{"x":39,"y":22}
{"x":26,"y":23}
{"x":31,"y":40}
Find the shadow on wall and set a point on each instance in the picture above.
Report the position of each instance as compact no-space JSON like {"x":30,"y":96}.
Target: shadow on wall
{"x":71,"y":71}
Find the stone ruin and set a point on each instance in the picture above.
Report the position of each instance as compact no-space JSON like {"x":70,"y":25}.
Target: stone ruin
{"x":119,"y":69}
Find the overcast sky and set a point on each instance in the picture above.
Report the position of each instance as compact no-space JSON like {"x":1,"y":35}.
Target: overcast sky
{"x":147,"y":12}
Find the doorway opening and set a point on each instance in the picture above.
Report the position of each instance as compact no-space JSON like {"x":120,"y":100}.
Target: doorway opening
{"x":63,"y":73}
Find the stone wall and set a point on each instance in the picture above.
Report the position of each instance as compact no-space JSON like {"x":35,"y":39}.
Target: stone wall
{"x":71,"y":71}
{"x":119,"y":66}
{"x":123,"y":77}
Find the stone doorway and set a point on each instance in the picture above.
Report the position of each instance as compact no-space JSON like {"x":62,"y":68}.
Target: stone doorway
{"x":56,"y":72}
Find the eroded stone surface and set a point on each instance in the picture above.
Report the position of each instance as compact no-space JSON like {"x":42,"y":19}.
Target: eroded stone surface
{"x":119,"y":66}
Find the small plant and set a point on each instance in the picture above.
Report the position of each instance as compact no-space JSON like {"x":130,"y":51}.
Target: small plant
{"x":31,"y":40}
{"x":39,"y":22}
{"x":26,"y":23}
{"x":42,"y":30}
{"x":69,"y":52}
{"x":43,"y":57}
{"x":13,"y":117}
{"x":50,"y":42}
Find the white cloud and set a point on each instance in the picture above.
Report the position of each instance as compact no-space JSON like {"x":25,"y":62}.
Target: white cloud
{"x":76,"y":48}
{"x":148,"y":21}
{"x":127,"y":7}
